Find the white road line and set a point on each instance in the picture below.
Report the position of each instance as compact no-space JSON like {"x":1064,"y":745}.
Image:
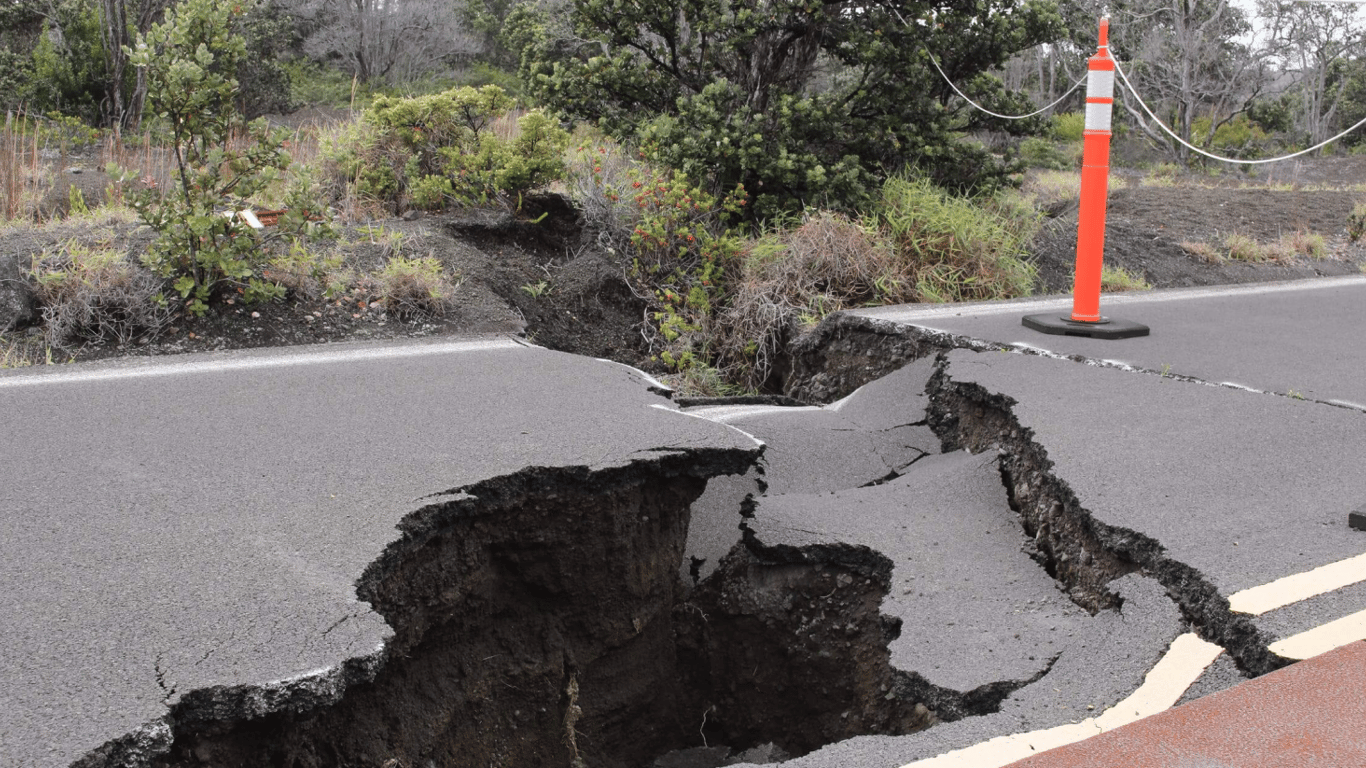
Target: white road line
{"x":154,"y":367}
{"x":1182,"y":665}
{"x":911,"y":312}
{"x":724,"y":413}
{"x":1300,"y":586}
{"x":1323,"y":638}
{"x":674,"y":409}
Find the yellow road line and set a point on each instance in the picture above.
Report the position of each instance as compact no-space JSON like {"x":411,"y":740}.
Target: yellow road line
{"x":1323,"y":638}
{"x":1182,"y":665}
{"x":1300,"y":586}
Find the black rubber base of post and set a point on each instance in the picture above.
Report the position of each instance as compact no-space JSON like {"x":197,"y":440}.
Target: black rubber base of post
{"x":1107,"y":328}
{"x":1357,"y":520}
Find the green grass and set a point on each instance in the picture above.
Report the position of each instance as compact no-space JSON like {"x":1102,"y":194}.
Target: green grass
{"x":1245,"y":248}
{"x":955,"y":248}
{"x":1118,"y":279}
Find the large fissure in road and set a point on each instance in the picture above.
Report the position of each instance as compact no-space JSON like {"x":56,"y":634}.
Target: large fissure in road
{"x":542,"y":618}
{"x":539,"y":620}
{"x":1083,"y":554}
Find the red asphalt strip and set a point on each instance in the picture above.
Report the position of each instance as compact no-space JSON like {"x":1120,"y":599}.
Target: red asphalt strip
{"x":1312,"y":713}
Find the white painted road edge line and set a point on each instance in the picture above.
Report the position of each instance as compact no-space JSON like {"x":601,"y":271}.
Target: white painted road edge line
{"x":1300,"y":586}
{"x":153,"y":367}
{"x":1183,"y":664}
{"x":674,"y":409}
{"x":911,"y":312}
{"x":724,"y":413}
{"x":1323,"y":638}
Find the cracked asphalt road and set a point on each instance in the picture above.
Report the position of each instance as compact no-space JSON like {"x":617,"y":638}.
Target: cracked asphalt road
{"x":170,"y":527}
{"x":1244,"y":486}
{"x":178,"y":524}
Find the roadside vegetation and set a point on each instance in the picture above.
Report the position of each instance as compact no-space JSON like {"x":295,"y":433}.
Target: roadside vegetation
{"x":741,"y":206}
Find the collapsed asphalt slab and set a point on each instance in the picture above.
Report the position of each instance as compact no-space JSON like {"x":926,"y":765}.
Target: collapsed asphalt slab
{"x":869,"y":437}
{"x":185,"y":540}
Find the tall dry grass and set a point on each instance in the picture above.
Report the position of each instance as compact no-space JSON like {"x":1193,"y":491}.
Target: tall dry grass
{"x":32,"y":159}
{"x":24,"y":175}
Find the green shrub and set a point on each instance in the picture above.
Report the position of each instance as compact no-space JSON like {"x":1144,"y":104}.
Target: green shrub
{"x":190,"y":60}
{"x":1069,"y":126}
{"x":445,"y":148}
{"x":1356,"y":222}
{"x":1240,"y":137}
{"x":96,"y":294}
{"x":68,"y":73}
{"x":414,"y":287}
{"x":955,"y":248}
{"x":1038,"y":152}
{"x":791,"y":100}
{"x":308,"y":273}
{"x":683,"y":252}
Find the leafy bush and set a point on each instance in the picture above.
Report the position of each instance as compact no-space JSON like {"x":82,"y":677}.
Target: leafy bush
{"x":1239,"y":137}
{"x":413,"y":287}
{"x":442,"y":149}
{"x":1356,"y":222}
{"x":68,"y":70}
{"x":96,"y":293}
{"x":1069,"y":126}
{"x":683,"y":251}
{"x":308,"y":273}
{"x":805,"y":104}
{"x":955,"y":248}
{"x":1037,"y":152}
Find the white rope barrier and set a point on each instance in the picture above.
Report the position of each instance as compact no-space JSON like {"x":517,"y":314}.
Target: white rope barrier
{"x":1005,"y":117}
{"x":1200,"y":151}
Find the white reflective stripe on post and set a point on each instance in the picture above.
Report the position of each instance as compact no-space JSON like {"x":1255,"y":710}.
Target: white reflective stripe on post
{"x":1098,"y":116}
{"x":1100,"y":84}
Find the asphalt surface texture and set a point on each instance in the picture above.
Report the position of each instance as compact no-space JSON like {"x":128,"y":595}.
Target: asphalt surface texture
{"x":173,"y":525}
{"x":1302,"y":337}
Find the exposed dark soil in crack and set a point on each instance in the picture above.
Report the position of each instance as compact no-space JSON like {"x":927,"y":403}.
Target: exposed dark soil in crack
{"x":778,"y":636}
{"x":534,"y":621}
{"x":540,"y":620}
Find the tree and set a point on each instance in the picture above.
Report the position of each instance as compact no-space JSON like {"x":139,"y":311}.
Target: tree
{"x":804,"y":102}
{"x":1315,"y":41}
{"x":21,"y":25}
{"x":121,"y":21}
{"x":190,"y":61}
{"x":393,"y":40}
{"x":1185,"y":57}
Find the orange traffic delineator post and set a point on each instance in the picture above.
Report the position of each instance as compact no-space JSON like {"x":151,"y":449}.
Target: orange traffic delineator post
{"x":1086,"y":319}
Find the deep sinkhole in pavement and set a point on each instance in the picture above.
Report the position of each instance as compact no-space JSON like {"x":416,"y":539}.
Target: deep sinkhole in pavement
{"x":579,"y":644}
